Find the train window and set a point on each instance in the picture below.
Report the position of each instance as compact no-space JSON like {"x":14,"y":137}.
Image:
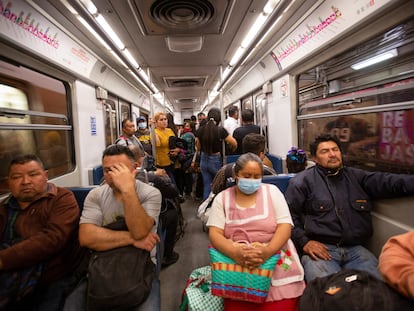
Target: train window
{"x":247,"y":103}
{"x":110,"y":122}
{"x":261,"y":115}
{"x":125,"y":109}
{"x":34,"y":118}
{"x":371,"y":111}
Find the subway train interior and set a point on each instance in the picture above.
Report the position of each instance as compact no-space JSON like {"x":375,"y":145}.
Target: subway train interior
{"x":72,"y":70}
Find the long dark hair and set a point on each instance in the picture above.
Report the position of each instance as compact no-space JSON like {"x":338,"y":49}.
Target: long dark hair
{"x":211,"y":131}
{"x":171,"y":123}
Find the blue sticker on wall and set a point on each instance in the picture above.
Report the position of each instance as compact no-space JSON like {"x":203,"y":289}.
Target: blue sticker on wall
{"x":93,"y":126}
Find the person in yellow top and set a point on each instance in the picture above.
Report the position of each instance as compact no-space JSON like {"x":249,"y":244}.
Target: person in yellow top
{"x":162,"y":149}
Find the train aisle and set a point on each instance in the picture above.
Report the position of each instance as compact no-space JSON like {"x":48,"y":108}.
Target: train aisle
{"x":192,"y":248}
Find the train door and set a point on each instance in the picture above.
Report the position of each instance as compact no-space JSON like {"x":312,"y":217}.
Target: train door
{"x":247,"y":103}
{"x":260,"y":114}
{"x":124,"y":110}
{"x":110,"y":119}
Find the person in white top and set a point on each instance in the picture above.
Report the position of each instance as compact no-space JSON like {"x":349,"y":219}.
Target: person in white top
{"x":232,"y":122}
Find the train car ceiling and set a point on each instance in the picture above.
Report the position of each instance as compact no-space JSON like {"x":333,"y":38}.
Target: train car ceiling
{"x":182,"y":46}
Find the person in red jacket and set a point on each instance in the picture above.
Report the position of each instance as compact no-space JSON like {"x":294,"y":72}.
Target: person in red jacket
{"x":396,"y":263}
{"x":39,"y":251}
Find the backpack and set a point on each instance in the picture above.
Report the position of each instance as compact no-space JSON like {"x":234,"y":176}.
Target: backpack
{"x":119,"y":278}
{"x":351,"y":290}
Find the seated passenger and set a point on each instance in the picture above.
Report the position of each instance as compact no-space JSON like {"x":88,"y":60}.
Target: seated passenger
{"x":39,"y":243}
{"x":121,"y":196}
{"x":254,"y":143}
{"x":335,"y":202}
{"x":169,"y":214}
{"x":296,"y":160}
{"x":260,"y":210}
{"x":396,"y":263}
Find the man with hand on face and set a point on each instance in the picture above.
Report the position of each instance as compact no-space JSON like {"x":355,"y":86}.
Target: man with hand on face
{"x":335,"y":201}
{"x":121,"y":196}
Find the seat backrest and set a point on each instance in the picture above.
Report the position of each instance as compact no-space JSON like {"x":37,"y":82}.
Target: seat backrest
{"x":80,"y":194}
{"x":232,"y":158}
{"x":277,"y":162}
{"x":96,"y":175}
{"x":281,"y":181}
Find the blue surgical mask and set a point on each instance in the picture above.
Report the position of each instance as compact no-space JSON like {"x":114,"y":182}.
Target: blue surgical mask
{"x":142,"y":125}
{"x":248,"y":185}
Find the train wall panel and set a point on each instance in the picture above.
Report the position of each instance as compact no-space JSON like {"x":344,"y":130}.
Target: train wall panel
{"x":253,"y":80}
{"x":89,"y":128}
{"x":280,"y":117}
{"x":113,"y":83}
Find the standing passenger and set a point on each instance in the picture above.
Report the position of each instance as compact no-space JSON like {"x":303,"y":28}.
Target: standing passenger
{"x":232,"y":121}
{"x":209,"y":140}
{"x":128,"y":137}
{"x":171,"y":124}
{"x":169,"y":214}
{"x":201,"y":118}
{"x":335,"y":202}
{"x":189,"y":138}
{"x":144,"y":134}
{"x":162,"y":138}
{"x":247,"y":127}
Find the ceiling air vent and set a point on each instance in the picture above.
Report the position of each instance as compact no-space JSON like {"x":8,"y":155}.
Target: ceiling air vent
{"x":184,"y":44}
{"x":192,"y":100}
{"x":183,"y":17}
{"x":182,"y":14}
{"x":178,"y":82}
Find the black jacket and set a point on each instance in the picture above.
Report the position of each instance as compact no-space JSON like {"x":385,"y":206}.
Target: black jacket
{"x":337,"y":209}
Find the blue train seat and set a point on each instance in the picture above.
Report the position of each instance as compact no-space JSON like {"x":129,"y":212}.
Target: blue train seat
{"x":232,"y":158}
{"x":96,"y":175}
{"x":277,"y":161}
{"x":281,"y":181}
{"x":80,"y":195}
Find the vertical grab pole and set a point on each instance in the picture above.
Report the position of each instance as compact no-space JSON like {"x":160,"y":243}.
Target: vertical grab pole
{"x":152,"y":127}
{"x":222,"y":114}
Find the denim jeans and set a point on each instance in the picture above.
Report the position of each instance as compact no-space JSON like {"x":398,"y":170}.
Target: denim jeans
{"x":77,"y":299}
{"x":343,"y":257}
{"x":46,"y":297}
{"x":209,"y":165}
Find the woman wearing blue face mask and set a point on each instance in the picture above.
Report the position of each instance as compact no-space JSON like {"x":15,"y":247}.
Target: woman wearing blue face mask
{"x":262,"y":213}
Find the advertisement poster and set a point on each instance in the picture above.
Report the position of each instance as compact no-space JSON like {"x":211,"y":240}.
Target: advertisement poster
{"x":396,"y":142}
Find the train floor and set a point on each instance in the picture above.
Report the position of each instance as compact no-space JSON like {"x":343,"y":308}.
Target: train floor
{"x":192,"y":248}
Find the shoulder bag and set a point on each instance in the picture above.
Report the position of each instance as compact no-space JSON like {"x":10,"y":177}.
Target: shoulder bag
{"x":120,"y":278}
{"x":231,"y":280}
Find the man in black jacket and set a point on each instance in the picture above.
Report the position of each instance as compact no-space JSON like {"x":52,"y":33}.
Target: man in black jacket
{"x":169,"y":215}
{"x":335,"y":204}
